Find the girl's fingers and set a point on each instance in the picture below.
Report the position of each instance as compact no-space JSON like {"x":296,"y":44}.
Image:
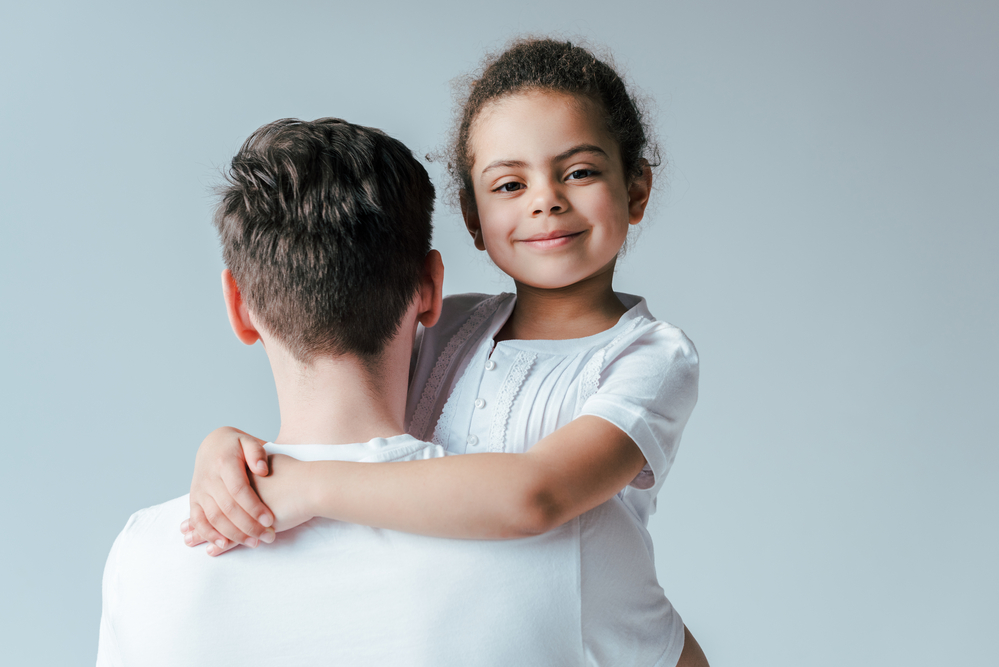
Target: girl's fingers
{"x":200,"y":525}
{"x":213,"y":550}
{"x":244,"y":529}
{"x":249,"y":513}
{"x":254,"y":454}
{"x":193,"y":539}
{"x":212,"y":524}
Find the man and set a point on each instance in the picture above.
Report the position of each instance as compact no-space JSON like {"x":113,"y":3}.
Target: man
{"x":325,"y":229}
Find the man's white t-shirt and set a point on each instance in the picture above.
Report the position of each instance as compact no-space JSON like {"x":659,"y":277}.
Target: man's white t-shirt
{"x":335,"y":593}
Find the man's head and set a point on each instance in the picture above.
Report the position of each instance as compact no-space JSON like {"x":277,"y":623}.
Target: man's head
{"x":325,"y":227}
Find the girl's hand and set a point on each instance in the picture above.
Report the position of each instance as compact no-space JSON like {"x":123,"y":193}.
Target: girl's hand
{"x":285,"y":491}
{"x":225,"y":510}
{"x":282,"y":490}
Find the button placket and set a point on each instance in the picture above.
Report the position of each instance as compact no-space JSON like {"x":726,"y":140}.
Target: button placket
{"x":483,"y":405}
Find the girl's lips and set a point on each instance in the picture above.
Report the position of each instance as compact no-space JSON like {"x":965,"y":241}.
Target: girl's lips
{"x":550,"y":239}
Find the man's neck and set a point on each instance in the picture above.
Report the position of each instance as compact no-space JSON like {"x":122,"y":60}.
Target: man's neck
{"x":339,"y":400}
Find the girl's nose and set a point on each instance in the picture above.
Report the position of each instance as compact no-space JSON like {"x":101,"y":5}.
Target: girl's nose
{"x":548,"y":199}
{"x":554,"y":209}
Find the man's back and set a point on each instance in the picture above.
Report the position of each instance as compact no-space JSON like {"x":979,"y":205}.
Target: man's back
{"x":343,"y":594}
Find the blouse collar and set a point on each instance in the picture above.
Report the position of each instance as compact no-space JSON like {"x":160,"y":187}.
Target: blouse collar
{"x":636,"y":306}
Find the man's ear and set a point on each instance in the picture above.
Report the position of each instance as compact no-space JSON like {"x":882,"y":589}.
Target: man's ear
{"x":471,"y":215}
{"x":239,"y":316}
{"x":431,"y":289}
{"x":639,"y":191}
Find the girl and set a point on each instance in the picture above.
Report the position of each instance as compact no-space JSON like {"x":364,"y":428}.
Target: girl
{"x":572,"y":393}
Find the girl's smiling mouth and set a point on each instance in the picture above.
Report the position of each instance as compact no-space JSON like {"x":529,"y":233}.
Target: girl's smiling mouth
{"x":549,"y":240}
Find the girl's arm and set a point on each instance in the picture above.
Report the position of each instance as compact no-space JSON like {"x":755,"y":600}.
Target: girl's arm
{"x":476,"y":496}
{"x":480,"y":496}
{"x":649,"y":389}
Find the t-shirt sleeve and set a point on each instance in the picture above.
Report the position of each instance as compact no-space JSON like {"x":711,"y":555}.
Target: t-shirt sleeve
{"x":648,"y":390}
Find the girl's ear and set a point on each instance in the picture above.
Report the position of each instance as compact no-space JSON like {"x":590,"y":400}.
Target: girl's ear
{"x":471,"y":215}
{"x":639,"y":191}
{"x":239,"y":316}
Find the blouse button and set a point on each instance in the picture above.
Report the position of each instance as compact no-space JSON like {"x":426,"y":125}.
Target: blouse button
{"x":480,"y":403}
{"x":490,"y":365}
{"x":472,"y":440}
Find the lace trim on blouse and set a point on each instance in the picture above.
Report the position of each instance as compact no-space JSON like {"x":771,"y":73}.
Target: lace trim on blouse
{"x":443,"y":427}
{"x":424,"y":409}
{"x":589,"y":380}
{"x":504,"y":399}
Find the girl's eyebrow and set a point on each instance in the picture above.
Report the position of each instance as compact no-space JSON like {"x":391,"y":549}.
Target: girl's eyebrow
{"x":564,"y":155}
{"x":515,"y":164}
{"x":581,"y":148}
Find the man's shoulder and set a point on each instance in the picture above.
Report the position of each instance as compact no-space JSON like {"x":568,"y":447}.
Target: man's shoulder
{"x":402,"y":447}
{"x":151,"y":534}
{"x":407,"y":448}
{"x":150,"y":518}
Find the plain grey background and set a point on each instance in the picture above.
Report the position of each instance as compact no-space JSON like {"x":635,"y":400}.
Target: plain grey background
{"x":826,"y":232}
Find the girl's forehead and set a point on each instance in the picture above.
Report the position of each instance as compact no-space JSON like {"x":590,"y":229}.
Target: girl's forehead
{"x":537,"y":123}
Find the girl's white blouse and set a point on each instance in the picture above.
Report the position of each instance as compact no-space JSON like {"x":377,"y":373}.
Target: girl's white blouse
{"x":471,"y":394}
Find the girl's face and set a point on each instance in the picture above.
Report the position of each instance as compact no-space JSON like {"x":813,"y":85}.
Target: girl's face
{"x":552,"y":206}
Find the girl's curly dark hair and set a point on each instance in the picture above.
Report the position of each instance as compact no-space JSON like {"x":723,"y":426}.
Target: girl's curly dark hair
{"x":545,"y":64}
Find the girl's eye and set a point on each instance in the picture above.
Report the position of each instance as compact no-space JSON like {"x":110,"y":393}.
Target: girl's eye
{"x":511,"y":186}
{"x":581,"y":173}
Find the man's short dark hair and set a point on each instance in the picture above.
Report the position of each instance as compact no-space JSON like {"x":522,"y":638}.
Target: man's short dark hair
{"x":325,"y":226}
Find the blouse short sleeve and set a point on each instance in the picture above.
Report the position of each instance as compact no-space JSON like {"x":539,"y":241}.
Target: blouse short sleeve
{"x":648,"y":388}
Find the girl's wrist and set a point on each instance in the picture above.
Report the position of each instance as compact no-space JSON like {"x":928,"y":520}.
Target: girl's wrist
{"x":310,"y":485}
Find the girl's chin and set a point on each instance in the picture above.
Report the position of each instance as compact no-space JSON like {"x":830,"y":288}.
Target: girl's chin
{"x":549,"y":282}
